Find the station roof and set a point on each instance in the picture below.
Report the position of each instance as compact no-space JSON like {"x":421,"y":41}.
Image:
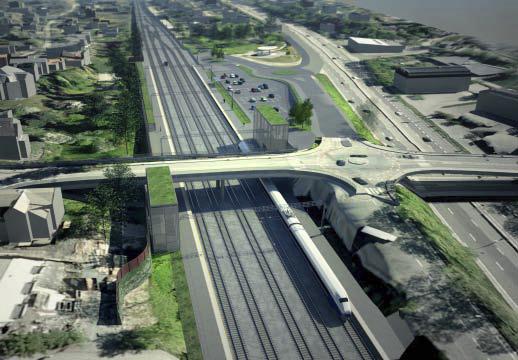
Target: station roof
{"x":160,"y":186}
{"x":434,"y":71}
{"x":369,"y":41}
{"x":272,"y":116}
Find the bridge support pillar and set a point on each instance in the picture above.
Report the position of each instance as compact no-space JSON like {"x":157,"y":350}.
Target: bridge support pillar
{"x":220,"y":184}
{"x":323,"y":219}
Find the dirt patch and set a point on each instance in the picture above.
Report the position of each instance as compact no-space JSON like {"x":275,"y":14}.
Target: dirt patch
{"x":137,"y":308}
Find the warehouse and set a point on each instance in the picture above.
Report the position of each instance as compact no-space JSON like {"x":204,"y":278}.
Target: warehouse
{"x":499,"y":102}
{"x":432,"y":80}
{"x":365,"y":45}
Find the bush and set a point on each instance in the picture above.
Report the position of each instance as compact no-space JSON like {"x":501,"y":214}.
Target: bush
{"x":37,"y":342}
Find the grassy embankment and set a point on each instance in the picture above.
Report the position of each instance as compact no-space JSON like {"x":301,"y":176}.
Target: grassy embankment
{"x":347,"y":110}
{"x":461,"y":264}
{"x":232,"y":46}
{"x":241,"y":115}
{"x":148,"y":107}
{"x":175,"y":330}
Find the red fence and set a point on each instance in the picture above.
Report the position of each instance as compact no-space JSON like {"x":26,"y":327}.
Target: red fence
{"x":134,"y":263}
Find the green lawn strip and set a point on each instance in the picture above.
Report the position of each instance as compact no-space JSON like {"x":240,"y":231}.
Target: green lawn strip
{"x":27,"y":344}
{"x":272,"y":116}
{"x":160,"y":186}
{"x":344,"y":106}
{"x":148,"y":108}
{"x":461,"y":264}
{"x":285,"y":72}
{"x":190,"y":333}
{"x":171,"y":305}
{"x":241,"y":115}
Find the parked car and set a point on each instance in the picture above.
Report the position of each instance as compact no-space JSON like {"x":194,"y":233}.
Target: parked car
{"x":227,"y":81}
{"x":254,"y":90}
{"x":235,"y":82}
{"x":265,"y":86}
{"x":340,"y":162}
{"x":360,"y":181}
{"x":166,"y":63}
{"x":229,"y":88}
{"x":252,"y":100}
{"x":276,"y":108}
{"x":389,"y":138}
{"x":252,"y":107}
{"x":224,"y":76}
{"x":271,"y":96}
{"x":232,"y":75}
{"x":242,"y":80}
{"x":263,"y":99}
{"x":237,"y":91}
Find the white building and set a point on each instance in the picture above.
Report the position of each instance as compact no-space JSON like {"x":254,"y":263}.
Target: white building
{"x":366,"y":45}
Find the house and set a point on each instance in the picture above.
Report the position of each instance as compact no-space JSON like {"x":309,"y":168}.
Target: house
{"x":41,"y":66}
{"x":74,"y":54}
{"x":366,"y":45}
{"x":432,"y":80}
{"x":16,"y":83}
{"x":501,"y":103}
{"x":56,"y":64}
{"x":328,"y":28}
{"x":14,"y":144}
{"x":359,"y":17}
{"x":70,"y":29}
{"x":28,"y":215}
{"x":110,"y":31}
{"x":329,"y":9}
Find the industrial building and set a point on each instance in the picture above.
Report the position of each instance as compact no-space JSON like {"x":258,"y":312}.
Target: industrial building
{"x":14,"y":144}
{"x":30,"y":215}
{"x":432,"y":80}
{"x":16,"y":83}
{"x":502,"y":103}
{"x":162,"y":210}
{"x":270,"y":129}
{"x":366,"y":45}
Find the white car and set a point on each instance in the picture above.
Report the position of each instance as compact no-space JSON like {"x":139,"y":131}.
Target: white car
{"x":399,"y":113}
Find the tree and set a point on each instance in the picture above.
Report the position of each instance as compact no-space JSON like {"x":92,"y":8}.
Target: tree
{"x":94,"y":104}
{"x":110,"y":200}
{"x":217,"y":52}
{"x":301,"y":112}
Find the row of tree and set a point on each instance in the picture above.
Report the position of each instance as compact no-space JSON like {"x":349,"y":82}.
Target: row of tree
{"x":228,"y":31}
{"x":217,"y":52}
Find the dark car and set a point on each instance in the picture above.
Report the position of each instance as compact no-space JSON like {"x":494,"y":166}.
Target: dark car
{"x":340,"y":162}
{"x":276,"y":108}
{"x":166,"y":63}
{"x":224,"y":76}
{"x":426,"y":139}
{"x":360,"y":181}
{"x":271,"y":96}
{"x":255,"y":90}
{"x":227,"y":81}
{"x":265,"y":86}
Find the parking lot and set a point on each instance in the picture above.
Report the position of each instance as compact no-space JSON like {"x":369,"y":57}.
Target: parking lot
{"x":275,"y":94}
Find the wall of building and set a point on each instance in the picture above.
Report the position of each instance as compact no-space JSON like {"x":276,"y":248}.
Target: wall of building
{"x":270,"y":137}
{"x":353,"y":46}
{"x":41,"y":226}
{"x":9,"y":148}
{"x":498,"y":104}
{"x":431,"y":85}
{"x":18,"y":226}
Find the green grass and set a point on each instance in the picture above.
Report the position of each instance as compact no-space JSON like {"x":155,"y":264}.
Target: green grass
{"x":285,"y":72}
{"x":382,"y":69}
{"x":74,"y":81}
{"x":148,"y":108}
{"x":160,"y":186}
{"x":175,"y":331}
{"x":344,"y":106}
{"x":241,"y":115}
{"x":272,"y":116}
{"x":461,"y":265}
{"x":27,"y":344}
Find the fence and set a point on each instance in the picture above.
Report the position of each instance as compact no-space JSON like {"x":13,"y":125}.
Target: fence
{"x":131,"y":275}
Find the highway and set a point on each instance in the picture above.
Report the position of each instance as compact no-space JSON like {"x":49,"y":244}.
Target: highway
{"x":268,"y":311}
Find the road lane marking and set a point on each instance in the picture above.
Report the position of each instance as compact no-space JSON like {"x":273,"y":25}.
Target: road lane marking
{"x":420,"y":263}
{"x":451,"y":212}
{"x":474,"y":223}
{"x":471,"y":235}
{"x":499,"y":266}
{"x":499,"y":250}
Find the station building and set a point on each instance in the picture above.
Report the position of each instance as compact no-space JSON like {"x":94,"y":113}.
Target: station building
{"x":366,"y":45}
{"x":270,"y":129}
{"x":432,"y":80}
{"x":499,"y":102}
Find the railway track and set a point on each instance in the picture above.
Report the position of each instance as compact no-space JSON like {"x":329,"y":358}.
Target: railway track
{"x":199,"y":128}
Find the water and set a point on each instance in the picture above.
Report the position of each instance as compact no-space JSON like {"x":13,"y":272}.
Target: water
{"x":493,"y":21}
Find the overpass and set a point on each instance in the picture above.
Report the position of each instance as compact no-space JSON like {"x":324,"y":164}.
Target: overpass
{"x":376,"y":165}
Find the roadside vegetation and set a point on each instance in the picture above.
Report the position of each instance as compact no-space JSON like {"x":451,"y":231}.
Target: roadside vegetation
{"x":461,"y":264}
{"x":343,"y":105}
{"x":175,"y":329}
{"x":300,"y":114}
{"x":37,"y":342}
{"x":241,"y":115}
{"x":148,"y":107}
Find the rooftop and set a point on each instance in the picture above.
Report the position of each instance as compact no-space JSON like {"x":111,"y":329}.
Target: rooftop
{"x":434,"y":71}
{"x":504,"y":92}
{"x":160,"y":186}
{"x":272,"y":116}
{"x":368,"y":41}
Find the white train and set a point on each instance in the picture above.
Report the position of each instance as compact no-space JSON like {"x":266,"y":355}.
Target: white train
{"x":324,"y":271}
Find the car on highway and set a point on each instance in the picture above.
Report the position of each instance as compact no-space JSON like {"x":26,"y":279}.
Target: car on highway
{"x":367,"y":111}
{"x":399,"y":113}
{"x":426,"y":139}
{"x":271,"y":96}
{"x":389,"y":138}
{"x":350,"y":101}
{"x":340,"y":162}
{"x":334,"y":58}
{"x":360,"y":180}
